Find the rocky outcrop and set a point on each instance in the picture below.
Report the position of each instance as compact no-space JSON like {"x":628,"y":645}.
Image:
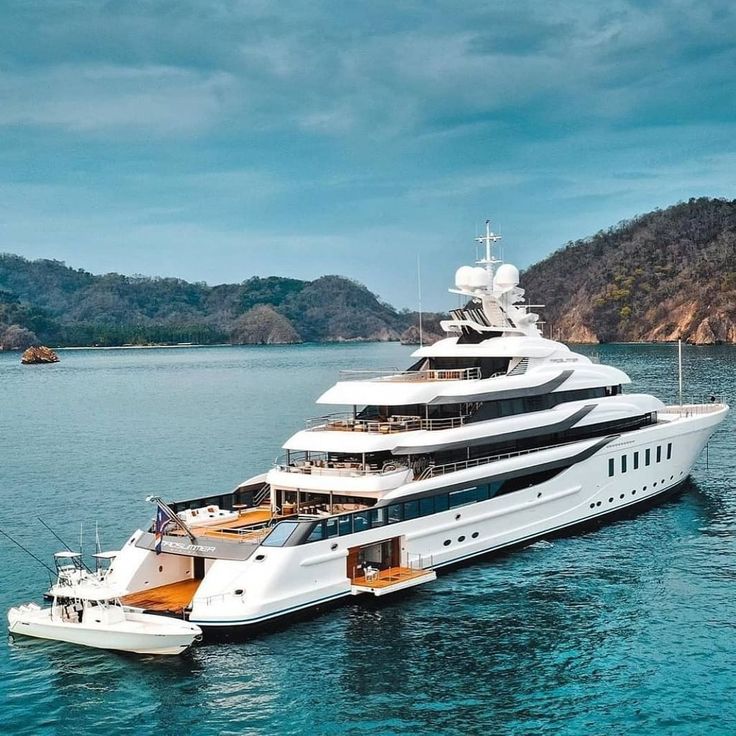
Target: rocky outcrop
{"x":263,"y":325}
{"x":38,"y":355}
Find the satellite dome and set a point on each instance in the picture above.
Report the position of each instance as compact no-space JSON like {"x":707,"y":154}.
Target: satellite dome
{"x":506,"y":277}
{"x":463,"y":277}
{"x":480,"y":278}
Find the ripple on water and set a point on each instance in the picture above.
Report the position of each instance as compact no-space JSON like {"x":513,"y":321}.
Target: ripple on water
{"x":629,"y":629}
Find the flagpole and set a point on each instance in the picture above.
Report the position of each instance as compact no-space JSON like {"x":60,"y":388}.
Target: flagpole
{"x":172,"y":516}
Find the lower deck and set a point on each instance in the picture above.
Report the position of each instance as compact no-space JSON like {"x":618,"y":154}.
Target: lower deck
{"x":171,"y":598}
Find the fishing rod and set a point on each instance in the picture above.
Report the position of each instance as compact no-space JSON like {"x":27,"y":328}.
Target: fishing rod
{"x":63,"y":542}
{"x":27,"y":551}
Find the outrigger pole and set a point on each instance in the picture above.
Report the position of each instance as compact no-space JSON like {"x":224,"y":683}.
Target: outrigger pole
{"x":58,"y":538}
{"x":172,"y":516}
{"x":27,"y":551}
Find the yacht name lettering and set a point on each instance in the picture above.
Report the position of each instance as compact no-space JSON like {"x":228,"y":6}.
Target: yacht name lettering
{"x":188,"y":547}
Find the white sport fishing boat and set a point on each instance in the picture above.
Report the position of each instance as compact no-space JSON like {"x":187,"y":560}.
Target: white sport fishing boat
{"x":84,"y":611}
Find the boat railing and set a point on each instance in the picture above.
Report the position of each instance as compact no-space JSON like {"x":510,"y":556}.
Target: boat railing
{"x":434,"y":470}
{"x":319,"y":464}
{"x":441,"y":374}
{"x":710,"y":405}
{"x":417,"y":561}
{"x":347,"y":422}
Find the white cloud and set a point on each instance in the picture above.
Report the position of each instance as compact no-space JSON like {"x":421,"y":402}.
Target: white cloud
{"x":89,"y":98}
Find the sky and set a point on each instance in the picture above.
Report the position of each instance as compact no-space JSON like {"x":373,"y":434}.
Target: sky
{"x":214,"y":140}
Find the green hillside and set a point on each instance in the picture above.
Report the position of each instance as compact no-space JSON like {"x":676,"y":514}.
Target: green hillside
{"x":666,"y":275}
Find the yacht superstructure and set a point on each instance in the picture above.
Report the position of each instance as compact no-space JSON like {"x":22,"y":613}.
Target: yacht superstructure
{"x":493,"y":437}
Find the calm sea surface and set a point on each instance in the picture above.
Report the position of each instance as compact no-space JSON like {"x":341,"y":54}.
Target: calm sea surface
{"x":627,"y":630}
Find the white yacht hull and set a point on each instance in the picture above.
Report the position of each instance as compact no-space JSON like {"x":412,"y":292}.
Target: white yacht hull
{"x":287,"y":580}
{"x":139,"y":633}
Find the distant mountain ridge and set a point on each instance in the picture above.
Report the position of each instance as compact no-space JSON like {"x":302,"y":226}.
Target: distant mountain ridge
{"x":47,"y":301}
{"x":663,"y":276}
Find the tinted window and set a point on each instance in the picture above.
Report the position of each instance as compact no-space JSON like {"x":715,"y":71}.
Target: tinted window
{"x":647,"y":457}
{"x":669,"y":450}
{"x":317,"y":533}
{"x":659,"y":453}
{"x":426,"y":506}
{"x":610,"y":467}
{"x":441,"y":503}
{"x":460,"y":498}
{"x":344,"y":524}
{"x":394,"y":513}
{"x":411,"y":509}
{"x":280,"y":534}
{"x":360,"y":521}
{"x":377,"y":517}
{"x":636,"y":460}
{"x":623,"y":463}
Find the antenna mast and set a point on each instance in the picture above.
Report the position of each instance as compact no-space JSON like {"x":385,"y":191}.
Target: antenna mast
{"x":488,"y":240}
{"x":419,"y":285}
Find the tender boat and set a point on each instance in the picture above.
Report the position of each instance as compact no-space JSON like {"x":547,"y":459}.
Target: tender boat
{"x":86,"y":612}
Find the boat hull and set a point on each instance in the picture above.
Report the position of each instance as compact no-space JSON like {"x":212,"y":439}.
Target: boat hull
{"x":165,"y":637}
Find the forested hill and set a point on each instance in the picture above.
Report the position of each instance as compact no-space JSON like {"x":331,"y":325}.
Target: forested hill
{"x":46,"y":301}
{"x":667,"y":275}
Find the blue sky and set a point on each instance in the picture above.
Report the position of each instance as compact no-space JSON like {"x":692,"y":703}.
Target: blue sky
{"x":215,"y":140}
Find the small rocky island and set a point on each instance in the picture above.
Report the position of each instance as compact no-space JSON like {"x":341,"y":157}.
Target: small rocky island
{"x":38,"y":355}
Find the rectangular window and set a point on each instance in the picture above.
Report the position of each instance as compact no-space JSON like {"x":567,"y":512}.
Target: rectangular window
{"x":411,"y":509}
{"x":317,"y":533}
{"x":463,"y":497}
{"x":669,"y":451}
{"x":610,"y":467}
{"x":345,"y":525}
{"x":647,"y":456}
{"x":636,"y":461}
{"x":331,"y":527}
{"x":377,"y":517}
{"x":394,"y":513}
{"x":659,"y":453}
{"x":441,"y":503}
{"x":623,"y":463}
{"x":426,"y":506}
{"x":361,"y":521}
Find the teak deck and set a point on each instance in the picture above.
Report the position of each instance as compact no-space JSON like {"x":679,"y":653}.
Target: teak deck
{"x":389,"y":577}
{"x":172,"y":597}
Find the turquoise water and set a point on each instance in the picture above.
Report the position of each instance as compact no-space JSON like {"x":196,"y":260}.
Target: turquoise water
{"x":630,"y":629}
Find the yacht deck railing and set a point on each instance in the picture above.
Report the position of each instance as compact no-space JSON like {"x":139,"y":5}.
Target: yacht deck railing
{"x":346,"y":422}
{"x":445,"y":374}
{"x":434,"y":470}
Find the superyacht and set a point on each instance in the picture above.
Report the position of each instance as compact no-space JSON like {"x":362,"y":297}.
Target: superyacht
{"x":493,"y":438}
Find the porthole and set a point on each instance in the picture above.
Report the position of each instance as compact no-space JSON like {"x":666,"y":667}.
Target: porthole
{"x":160,"y":568}
{"x":644,"y":489}
{"x":238,"y":591}
{"x":333,"y":546}
{"x":447,"y":542}
{"x":474,"y":535}
{"x":260,"y":557}
{"x":592,"y":505}
{"x":598,"y":504}
{"x":622,"y":495}
{"x":457,"y":517}
{"x":610,"y":500}
{"x":654,"y":485}
{"x":672,"y":477}
{"x":633,"y":493}
{"x":539,"y":495}
{"x":461,"y":539}
{"x":662,"y":481}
